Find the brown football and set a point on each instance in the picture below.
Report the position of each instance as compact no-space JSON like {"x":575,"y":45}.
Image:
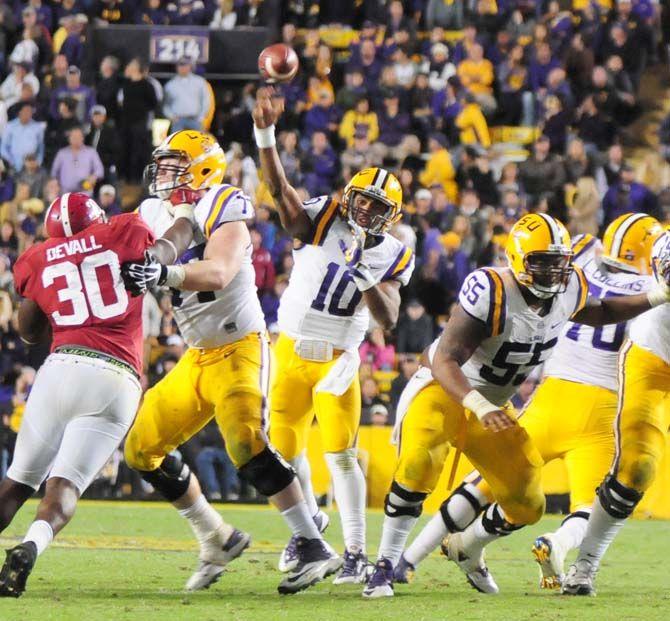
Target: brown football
{"x":278,"y":63}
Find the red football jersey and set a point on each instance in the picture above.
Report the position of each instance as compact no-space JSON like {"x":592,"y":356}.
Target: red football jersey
{"x":76,"y":281}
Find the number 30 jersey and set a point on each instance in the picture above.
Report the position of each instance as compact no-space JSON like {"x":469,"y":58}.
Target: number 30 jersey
{"x":589,"y":355}
{"x":519,"y":338}
{"x":76,"y":281}
{"x":208,"y":319}
{"x":322,"y":301}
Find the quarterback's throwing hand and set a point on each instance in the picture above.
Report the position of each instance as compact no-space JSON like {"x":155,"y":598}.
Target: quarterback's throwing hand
{"x":138,"y":278}
{"x":268,"y":109}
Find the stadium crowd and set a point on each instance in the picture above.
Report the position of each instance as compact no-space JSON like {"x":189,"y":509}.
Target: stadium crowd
{"x":422,"y":89}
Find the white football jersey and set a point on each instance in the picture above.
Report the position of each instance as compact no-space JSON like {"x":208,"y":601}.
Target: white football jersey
{"x":589,"y":355}
{"x":519,"y":338}
{"x":322,"y":301}
{"x":209,"y":319}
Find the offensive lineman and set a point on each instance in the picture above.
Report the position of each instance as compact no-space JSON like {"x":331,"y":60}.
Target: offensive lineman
{"x":570,"y":415}
{"x":225,"y":372}
{"x":507,"y":322}
{"x":642,"y":423}
{"x":346,"y":267}
{"x":72,"y":283}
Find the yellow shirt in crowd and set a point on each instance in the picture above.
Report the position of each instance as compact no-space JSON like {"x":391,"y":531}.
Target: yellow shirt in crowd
{"x":352,"y":121}
{"x":439,"y":169}
{"x":477,"y":77}
{"x":473,"y":126}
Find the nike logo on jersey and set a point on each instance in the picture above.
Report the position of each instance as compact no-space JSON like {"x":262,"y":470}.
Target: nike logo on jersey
{"x":555,"y":325}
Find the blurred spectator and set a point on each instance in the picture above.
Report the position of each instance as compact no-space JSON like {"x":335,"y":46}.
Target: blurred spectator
{"x":77,"y":167}
{"x":186,"y":99}
{"x":379,"y":415}
{"x":360,"y":119}
{"x":104,"y":138}
{"x":476,"y":75}
{"x":73,"y":45}
{"x":627,"y":195}
{"x":319,"y":164}
{"x":445,"y":14}
{"x":439,"y":68}
{"x":56,"y":77}
{"x":270,"y":299}
{"x":57,"y":129}
{"x":352,"y":91}
{"x":369,"y":399}
{"x":358,"y":156}
{"x":408,"y":365}
{"x":112,"y":12}
{"x":27,"y":96}
{"x":415,"y":329}
{"x":439,"y":168}
{"x":23,"y":136}
{"x":262,"y":262}
{"x":137,"y":104}
{"x":10,"y":89}
{"x":75,"y":90}
{"x":108,"y":85}
{"x":542,"y":172}
{"x":322,"y":116}
{"x":108,"y":201}
{"x":376,"y":352}
{"x":290,"y":157}
{"x":33,"y":174}
{"x":585,"y":208}
{"x":516,"y":102}
{"x":225,"y":17}
{"x":215,"y":470}
{"x":472,"y":124}
{"x":393,"y":126}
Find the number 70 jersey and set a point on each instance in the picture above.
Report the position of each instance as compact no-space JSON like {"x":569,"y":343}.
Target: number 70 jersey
{"x":322,"y":301}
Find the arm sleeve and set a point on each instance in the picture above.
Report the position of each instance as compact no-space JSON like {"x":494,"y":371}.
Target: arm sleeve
{"x":136,"y":234}
{"x":22,"y":273}
{"x":482,"y":296}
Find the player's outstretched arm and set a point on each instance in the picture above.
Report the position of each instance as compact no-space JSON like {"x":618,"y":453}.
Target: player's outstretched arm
{"x":600,"y":312}
{"x":222,"y":259}
{"x":293,"y":217}
{"x":176,"y":240}
{"x":461,"y":337}
{"x":383,"y":300}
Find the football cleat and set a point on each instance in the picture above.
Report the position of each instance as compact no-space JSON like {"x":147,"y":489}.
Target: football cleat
{"x":550,"y":556}
{"x":316,"y":561}
{"x":288,"y":558}
{"x":474,"y":568}
{"x":380,"y":583}
{"x":579,"y":579}
{"x":19,"y":563}
{"x":354,"y":570}
{"x":215,"y":555}
{"x":404,"y":571}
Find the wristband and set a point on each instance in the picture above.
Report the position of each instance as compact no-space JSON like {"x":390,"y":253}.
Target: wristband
{"x":658,"y":295}
{"x":265,"y":138}
{"x":169,"y":243}
{"x":175,"y":276}
{"x":184,"y":211}
{"x":477,"y":403}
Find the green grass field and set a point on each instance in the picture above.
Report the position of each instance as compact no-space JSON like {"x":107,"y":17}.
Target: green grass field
{"x":126,"y":561}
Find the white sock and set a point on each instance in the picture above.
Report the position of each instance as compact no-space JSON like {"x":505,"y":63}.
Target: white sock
{"x":601,"y":530}
{"x":204,"y":519}
{"x":476,"y":537}
{"x":300,"y":521}
{"x":304,"y":472}
{"x":41,"y":534}
{"x":349,"y":490}
{"x":427,"y":540}
{"x":571,"y":532}
{"x":394,"y":536}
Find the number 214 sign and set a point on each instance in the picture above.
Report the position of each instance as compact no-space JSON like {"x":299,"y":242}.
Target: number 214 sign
{"x":169,"y":47}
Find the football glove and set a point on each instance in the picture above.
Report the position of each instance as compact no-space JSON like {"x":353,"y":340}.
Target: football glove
{"x":138,"y":278}
{"x":353,"y":258}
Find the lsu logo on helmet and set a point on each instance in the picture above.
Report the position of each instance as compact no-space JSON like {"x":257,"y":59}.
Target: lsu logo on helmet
{"x":628,"y":242}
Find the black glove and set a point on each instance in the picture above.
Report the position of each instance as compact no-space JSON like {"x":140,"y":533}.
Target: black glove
{"x":138,"y":278}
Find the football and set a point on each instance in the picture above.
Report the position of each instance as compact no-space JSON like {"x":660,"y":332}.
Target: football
{"x":278,"y":63}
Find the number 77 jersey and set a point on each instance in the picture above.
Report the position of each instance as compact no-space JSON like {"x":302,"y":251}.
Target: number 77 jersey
{"x":76,"y":282}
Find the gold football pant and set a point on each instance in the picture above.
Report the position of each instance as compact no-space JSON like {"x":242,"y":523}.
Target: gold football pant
{"x":643,"y":418}
{"x":508,"y":460}
{"x":295,"y":403}
{"x":229,"y":383}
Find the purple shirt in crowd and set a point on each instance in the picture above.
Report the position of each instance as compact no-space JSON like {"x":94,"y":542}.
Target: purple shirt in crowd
{"x":71,"y":168}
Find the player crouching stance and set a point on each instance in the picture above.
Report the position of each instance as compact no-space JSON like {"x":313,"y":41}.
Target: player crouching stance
{"x":642,"y":422}
{"x":73,"y":282}
{"x":225,"y":372}
{"x":507,"y":322}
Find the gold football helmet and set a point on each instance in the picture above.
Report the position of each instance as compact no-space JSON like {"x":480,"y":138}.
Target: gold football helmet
{"x":539,"y":254}
{"x":628,"y":241}
{"x":185,"y":159}
{"x":381,"y":186}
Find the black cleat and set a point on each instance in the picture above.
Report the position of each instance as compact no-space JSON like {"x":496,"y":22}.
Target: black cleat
{"x":18,"y":565}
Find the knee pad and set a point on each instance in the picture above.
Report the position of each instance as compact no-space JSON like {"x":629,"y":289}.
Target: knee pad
{"x":401,"y":502}
{"x":268,"y":472}
{"x":461,"y":508}
{"x":617,"y":499}
{"x":171,"y":479}
{"x":494,"y":522}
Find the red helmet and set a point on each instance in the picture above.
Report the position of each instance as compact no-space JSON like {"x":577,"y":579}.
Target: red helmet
{"x":71,"y":214}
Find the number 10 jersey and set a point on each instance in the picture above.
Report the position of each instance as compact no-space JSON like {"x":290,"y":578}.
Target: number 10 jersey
{"x":322,"y":301}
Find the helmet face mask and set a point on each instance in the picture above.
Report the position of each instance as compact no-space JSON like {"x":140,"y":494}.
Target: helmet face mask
{"x":168,"y":171}
{"x":372,"y":213}
{"x":548,"y":273}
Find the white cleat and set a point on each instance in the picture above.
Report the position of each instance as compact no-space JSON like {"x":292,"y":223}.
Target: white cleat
{"x":355,"y":570}
{"x":550,"y":556}
{"x":215,"y":553}
{"x":288,"y":559}
{"x":380,"y":583}
{"x":316,"y":561}
{"x":579,"y":579}
{"x":474,"y":568}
